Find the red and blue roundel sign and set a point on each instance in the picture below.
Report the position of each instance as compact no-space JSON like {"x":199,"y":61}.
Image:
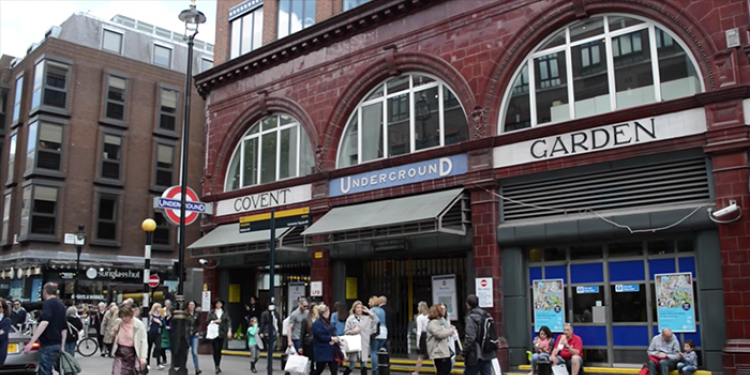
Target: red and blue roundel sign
{"x":170,"y":202}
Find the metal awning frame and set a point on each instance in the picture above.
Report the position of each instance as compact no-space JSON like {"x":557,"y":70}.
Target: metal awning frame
{"x":289,"y":240}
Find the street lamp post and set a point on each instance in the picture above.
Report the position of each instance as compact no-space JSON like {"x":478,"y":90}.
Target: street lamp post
{"x":148,"y":226}
{"x":80,"y":237}
{"x":192,"y":19}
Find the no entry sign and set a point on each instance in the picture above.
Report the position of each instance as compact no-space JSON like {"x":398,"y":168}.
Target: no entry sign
{"x":153,"y":281}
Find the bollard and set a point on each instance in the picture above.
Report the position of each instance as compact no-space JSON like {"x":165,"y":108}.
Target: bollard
{"x":384,"y":362}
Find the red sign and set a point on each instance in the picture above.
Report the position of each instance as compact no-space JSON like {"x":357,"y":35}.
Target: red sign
{"x":484,"y":283}
{"x":173,"y":215}
{"x":153,"y":281}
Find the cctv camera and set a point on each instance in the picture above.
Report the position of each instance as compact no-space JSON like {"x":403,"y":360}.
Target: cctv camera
{"x":203,"y":261}
{"x":732,"y":208}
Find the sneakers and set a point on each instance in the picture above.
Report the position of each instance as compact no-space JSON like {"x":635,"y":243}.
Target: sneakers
{"x":160,"y":367}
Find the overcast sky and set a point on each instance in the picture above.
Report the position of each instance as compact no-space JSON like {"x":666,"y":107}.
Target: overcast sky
{"x":23,"y":22}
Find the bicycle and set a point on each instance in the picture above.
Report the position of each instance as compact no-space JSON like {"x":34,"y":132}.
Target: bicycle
{"x":86,"y":345}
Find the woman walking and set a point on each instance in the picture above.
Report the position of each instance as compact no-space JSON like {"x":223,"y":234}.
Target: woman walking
{"x":108,"y":324}
{"x":4,"y":330}
{"x":217,"y":315}
{"x":154,"y":333}
{"x":360,"y":322}
{"x":164,"y":345}
{"x":338,"y":318}
{"x":74,"y":330}
{"x":422,"y":320}
{"x":325,"y":343}
{"x":193,"y":331}
{"x":130,"y":343}
{"x":306,"y":336}
{"x":439,"y":332}
{"x":252,"y":342}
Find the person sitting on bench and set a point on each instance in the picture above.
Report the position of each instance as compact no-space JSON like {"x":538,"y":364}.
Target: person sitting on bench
{"x":665,"y":349}
{"x":543,"y":345}
{"x":568,"y":350}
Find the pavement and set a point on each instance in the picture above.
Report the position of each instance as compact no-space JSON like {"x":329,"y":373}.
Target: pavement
{"x":230,"y":365}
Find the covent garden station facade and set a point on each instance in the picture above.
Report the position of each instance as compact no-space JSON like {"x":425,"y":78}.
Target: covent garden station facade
{"x":571,"y":161}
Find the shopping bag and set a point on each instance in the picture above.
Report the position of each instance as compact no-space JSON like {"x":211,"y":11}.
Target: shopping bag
{"x":297,"y":365}
{"x":212,"y":331}
{"x":351,"y":343}
{"x":560,"y":370}
{"x":496,"y":367}
{"x":259,"y":341}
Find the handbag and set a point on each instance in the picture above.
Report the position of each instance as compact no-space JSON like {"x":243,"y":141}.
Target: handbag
{"x":560,"y":370}
{"x":212,"y":331}
{"x":297,"y":365}
{"x":351,"y":343}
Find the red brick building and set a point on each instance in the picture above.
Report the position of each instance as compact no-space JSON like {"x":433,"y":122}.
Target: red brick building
{"x":576,"y":153}
{"x":94,"y":113}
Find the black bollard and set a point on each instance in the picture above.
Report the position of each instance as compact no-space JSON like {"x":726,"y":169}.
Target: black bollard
{"x":384,"y":362}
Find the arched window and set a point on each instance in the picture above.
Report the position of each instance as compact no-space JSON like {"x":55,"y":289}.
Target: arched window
{"x":405,"y":114}
{"x":275,"y":148}
{"x":599,"y":65}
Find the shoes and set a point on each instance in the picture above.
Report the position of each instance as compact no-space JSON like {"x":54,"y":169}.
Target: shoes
{"x":198,"y":371}
{"x":160,"y":367}
{"x":252,"y":367}
{"x":218,"y":370}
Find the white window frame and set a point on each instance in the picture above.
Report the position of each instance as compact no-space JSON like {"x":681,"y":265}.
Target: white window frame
{"x":17,"y":99}
{"x":106,"y":29}
{"x":607,"y":35}
{"x":205,"y":60}
{"x":166,"y":46}
{"x":442,"y":86}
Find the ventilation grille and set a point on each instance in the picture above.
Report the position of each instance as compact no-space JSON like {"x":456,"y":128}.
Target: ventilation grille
{"x":667,"y":183}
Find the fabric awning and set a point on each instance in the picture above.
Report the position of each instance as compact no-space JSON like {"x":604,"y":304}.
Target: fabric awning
{"x":445,"y":211}
{"x":227,"y":239}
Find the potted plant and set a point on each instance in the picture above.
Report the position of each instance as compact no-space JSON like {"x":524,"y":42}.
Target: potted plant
{"x":237,"y":341}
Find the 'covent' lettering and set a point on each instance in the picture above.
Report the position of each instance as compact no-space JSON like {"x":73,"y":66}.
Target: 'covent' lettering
{"x":592,"y":139}
{"x":268,"y":199}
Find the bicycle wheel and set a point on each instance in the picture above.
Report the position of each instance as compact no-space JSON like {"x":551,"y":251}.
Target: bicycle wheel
{"x":87,"y":347}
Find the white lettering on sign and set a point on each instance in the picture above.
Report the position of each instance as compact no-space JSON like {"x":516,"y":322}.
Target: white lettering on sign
{"x":673,"y":125}
{"x":264,"y":200}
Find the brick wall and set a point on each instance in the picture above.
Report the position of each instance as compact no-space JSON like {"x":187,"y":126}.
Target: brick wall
{"x":223,"y":30}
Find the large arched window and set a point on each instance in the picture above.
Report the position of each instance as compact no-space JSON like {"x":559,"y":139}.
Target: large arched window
{"x":405,"y":114}
{"x":599,"y":65}
{"x":274,"y":148}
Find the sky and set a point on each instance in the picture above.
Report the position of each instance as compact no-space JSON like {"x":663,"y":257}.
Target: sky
{"x":23,"y":22}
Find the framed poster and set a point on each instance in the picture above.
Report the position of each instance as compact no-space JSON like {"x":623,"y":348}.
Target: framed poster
{"x":296,"y":290}
{"x":675,"y":302}
{"x":549,"y":304}
{"x":444,"y":291}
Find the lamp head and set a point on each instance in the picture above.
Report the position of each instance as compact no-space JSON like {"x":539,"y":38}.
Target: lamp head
{"x":148,"y":225}
{"x":192,"y":18}
{"x":80,"y":235}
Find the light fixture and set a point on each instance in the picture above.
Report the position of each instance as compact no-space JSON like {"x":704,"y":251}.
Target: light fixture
{"x":192,"y":18}
{"x":720,"y":216}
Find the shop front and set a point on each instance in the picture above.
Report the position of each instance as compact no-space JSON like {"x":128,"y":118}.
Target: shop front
{"x":21,"y":284}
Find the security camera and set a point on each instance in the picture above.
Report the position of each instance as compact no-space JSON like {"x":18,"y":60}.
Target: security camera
{"x":731,"y":208}
{"x":203,"y":262}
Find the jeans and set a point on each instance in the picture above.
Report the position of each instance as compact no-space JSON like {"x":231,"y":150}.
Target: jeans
{"x":375,"y":345}
{"x":360,"y":358}
{"x":485,"y":367}
{"x":535,"y":358}
{"x":70,"y":347}
{"x":296,"y":344}
{"x":664,"y":366}
{"x":254,"y":353}
{"x":48,"y":355}
{"x":194,"y":350}
{"x":683,"y":368}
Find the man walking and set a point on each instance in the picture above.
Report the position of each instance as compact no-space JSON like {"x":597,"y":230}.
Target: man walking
{"x":294,"y":330}
{"x":475,"y":358}
{"x":51,"y":332}
{"x":96,"y":323}
{"x":390,"y":321}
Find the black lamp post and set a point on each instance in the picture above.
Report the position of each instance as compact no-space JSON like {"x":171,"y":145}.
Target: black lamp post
{"x":80,"y":238}
{"x":192,"y":18}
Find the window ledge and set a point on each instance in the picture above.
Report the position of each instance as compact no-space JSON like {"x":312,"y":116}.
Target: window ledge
{"x":39,"y":238}
{"x":50,"y":109}
{"x":109,"y":182}
{"x":113,"y":122}
{"x":16,"y":124}
{"x":105,"y":243}
{"x":43,"y":173}
{"x":159,"y":189}
{"x":161,"y":247}
{"x":167,"y":133}
{"x":10,"y":184}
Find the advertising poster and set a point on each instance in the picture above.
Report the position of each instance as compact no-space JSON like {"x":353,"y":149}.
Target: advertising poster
{"x":675,"y":305}
{"x":36,"y":290}
{"x":296,"y":290}
{"x":16,"y":290}
{"x":549,"y":304}
{"x":444,"y":291}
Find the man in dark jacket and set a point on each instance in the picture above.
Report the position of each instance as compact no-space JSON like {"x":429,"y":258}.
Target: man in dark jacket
{"x":475,"y":359}
{"x":17,"y":315}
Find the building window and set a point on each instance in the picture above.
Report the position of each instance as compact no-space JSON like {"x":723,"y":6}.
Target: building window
{"x":106,"y":218}
{"x":44,"y":149}
{"x":163,"y":233}
{"x":164,"y":165}
{"x":112,"y":41}
{"x":275,"y":148}
{"x":162,"y":56}
{"x":38,"y":211}
{"x":247,"y":33}
{"x":17,"y":100}
{"x":11,"y":158}
{"x":295,"y":15}
{"x":350,"y":4}
{"x":612,"y":67}
{"x":168,"y":110}
{"x":7,"y":201}
{"x":111,"y":157}
{"x":403,"y":115}
{"x":206,"y":64}
{"x":50,"y":85}
{"x":116,"y":94}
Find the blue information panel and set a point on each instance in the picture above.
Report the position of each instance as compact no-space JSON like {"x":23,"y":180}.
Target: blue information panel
{"x":675,"y":302}
{"x":627,"y":288}
{"x":549,"y":304}
{"x":587,"y":289}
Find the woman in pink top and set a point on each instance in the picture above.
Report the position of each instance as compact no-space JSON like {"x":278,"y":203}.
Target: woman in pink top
{"x":130,"y":344}
{"x":543,"y":345}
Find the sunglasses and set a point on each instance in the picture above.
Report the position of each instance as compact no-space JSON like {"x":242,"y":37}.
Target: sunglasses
{"x":304,"y":306}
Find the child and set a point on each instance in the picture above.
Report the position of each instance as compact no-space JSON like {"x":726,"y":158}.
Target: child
{"x":252,"y":342}
{"x":689,"y":362}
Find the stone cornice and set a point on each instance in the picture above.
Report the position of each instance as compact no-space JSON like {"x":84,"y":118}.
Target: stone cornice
{"x":315,"y":37}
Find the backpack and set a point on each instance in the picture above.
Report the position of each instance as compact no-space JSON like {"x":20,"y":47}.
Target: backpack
{"x":489,"y":334}
{"x":72,"y":334}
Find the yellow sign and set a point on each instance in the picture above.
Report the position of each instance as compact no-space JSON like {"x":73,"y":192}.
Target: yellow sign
{"x":12,"y":348}
{"x":234,"y":293}
{"x":351,"y":288}
{"x":205,"y":287}
{"x":318,"y":255}
{"x":267,"y":216}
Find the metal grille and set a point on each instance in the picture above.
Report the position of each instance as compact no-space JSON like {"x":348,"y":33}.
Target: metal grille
{"x":667,"y":183}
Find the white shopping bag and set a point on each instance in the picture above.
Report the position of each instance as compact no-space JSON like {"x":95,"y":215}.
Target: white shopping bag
{"x":351,"y":343}
{"x":297,"y":365}
{"x":496,"y":367}
{"x":258,"y":341}
{"x":213,"y":331}
{"x":560,"y":370}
